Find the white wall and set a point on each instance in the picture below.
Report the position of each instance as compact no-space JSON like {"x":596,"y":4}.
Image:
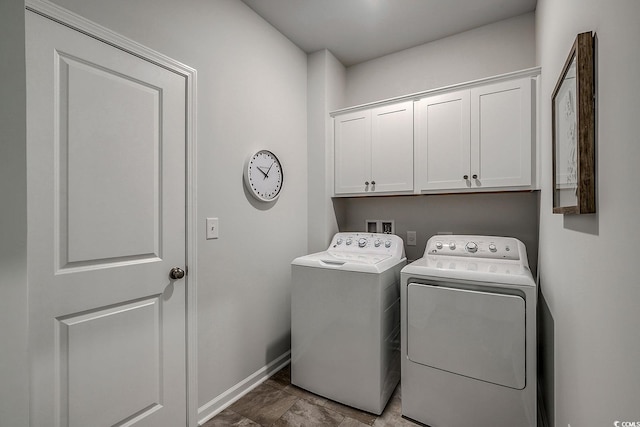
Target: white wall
{"x":326,"y":78}
{"x":498,"y":48}
{"x":251,"y":94}
{"x":589,"y":263}
{"x":14,"y":376}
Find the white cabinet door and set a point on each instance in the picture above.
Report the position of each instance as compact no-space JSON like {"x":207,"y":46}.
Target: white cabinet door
{"x":353,"y":152}
{"x":392,"y":148}
{"x":501,"y":134}
{"x":443,"y":141}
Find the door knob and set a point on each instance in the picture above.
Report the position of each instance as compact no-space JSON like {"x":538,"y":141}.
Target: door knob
{"x":466,"y":177}
{"x":176,"y":273}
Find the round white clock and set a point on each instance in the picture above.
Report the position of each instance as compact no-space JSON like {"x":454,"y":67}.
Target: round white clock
{"x":263,"y":176}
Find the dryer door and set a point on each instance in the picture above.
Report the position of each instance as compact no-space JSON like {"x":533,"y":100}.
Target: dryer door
{"x":476,"y":334}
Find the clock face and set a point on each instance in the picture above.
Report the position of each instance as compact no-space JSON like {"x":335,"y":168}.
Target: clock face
{"x":263,"y":176}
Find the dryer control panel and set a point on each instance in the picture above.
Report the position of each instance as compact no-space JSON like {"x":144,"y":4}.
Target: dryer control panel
{"x":371,"y":243}
{"x":491,"y":247}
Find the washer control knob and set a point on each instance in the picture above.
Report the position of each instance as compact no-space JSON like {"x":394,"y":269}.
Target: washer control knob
{"x":362,"y":242}
{"x":452,"y":245}
{"x":349,"y":240}
{"x":492,"y":247}
{"x":377,"y":243}
{"x":438,"y":245}
{"x":387,"y":244}
{"x":339,"y":241}
{"x":472,"y":247}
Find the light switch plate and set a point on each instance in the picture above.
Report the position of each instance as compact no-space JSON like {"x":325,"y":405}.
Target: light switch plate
{"x":212,"y":228}
{"x":411,"y":238}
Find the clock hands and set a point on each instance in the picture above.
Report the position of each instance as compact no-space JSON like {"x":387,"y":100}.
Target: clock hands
{"x":266,"y":174}
{"x":270,"y":168}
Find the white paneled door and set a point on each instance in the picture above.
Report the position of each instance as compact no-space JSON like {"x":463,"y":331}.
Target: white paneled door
{"x":106,"y":202}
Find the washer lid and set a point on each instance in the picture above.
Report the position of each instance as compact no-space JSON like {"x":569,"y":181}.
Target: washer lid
{"x":361,"y":262}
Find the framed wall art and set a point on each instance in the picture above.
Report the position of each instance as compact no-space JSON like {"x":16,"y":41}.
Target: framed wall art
{"x":573,"y":137}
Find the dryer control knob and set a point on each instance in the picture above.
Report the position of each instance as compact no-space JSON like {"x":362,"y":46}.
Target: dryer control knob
{"x":377,"y":243}
{"x":472,"y":247}
{"x":339,"y":241}
{"x":387,"y":244}
{"x":492,"y":247}
{"x":452,"y":245}
{"x":438,"y":245}
{"x":362,"y":242}
{"x":349,"y":240}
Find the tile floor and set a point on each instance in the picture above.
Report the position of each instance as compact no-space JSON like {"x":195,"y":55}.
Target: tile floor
{"x":278,"y":403}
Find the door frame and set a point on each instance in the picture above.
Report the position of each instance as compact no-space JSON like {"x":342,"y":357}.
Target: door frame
{"x":76,"y":22}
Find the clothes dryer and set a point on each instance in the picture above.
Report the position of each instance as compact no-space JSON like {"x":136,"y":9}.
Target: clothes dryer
{"x":345,"y":320}
{"x":468,"y":313}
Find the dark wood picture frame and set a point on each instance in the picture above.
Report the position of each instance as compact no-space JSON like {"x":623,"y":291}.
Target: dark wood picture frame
{"x":573,"y":131}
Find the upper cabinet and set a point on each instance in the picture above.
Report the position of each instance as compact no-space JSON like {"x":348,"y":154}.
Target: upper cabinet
{"x":374,"y":150}
{"x":474,"y":137}
{"x":478,"y":138}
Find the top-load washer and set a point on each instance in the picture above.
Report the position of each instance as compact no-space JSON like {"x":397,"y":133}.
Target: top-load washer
{"x":468,"y":311}
{"x":345,"y":320}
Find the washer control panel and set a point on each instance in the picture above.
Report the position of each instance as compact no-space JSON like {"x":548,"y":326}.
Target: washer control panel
{"x":492,"y":247}
{"x":377,"y":243}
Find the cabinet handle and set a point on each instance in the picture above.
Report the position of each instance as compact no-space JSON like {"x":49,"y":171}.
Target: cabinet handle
{"x":366,"y":183}
{"x":475,"y":176}
{"x":466,"y":177}
{"x":373,"y":183}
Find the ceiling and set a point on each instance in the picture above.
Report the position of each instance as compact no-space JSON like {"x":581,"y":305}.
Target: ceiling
{"x":359,"y":30}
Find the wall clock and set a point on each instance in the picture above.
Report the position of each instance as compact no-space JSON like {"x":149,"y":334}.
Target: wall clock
{"x":263,"y":176}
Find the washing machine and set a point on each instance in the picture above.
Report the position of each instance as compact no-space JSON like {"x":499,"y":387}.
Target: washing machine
{"x":468,"y":313}
{"x":345,"y":320}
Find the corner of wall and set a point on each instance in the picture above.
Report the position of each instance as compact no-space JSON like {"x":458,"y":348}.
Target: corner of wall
{"x":325,"y":88}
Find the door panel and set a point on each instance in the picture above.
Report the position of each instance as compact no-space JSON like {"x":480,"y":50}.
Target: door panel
{"x":106,"y":203}
{"x":97,"y":370}
{"x":97,"y":141}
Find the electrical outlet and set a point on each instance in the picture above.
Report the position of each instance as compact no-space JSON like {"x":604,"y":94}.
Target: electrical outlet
{"x":212,"y":228}
{"x":411,"y":238}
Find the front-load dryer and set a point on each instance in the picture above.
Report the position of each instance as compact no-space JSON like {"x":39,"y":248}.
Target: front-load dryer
{"x":345,"y":320}
{"x":468,"y":314}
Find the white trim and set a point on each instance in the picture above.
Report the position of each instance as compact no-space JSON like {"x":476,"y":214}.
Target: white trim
{"x":529,"y":72}
{"x":230,"y":396}
{"x":69,"y":19}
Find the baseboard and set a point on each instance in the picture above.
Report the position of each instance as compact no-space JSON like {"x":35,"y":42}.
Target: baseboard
{"x":543,"y":420}
{"x":225,"y":399}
